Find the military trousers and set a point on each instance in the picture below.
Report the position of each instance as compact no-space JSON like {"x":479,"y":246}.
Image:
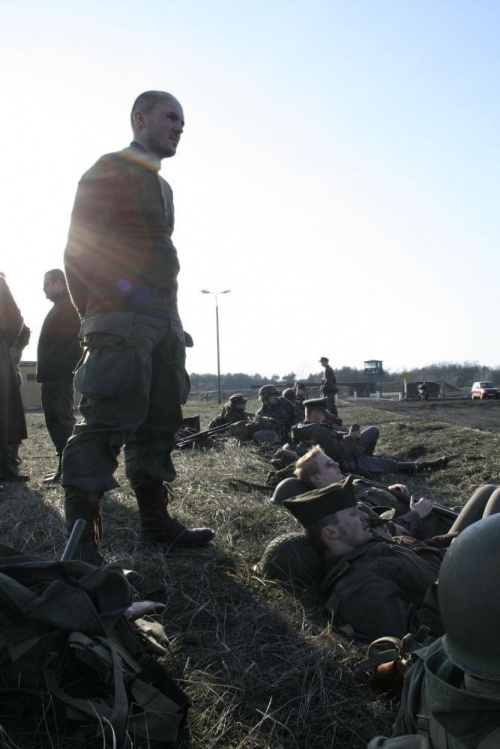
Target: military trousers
{"x":57,"y":403}
{"x":132,"y":385}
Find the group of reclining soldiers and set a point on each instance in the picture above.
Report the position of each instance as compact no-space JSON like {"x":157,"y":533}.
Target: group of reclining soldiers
{"x":298,"y":424}
{"x":375,"y":553}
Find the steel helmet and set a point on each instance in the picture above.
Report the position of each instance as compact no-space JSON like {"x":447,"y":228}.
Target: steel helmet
{"x":469,"y":600}
{"x":292,"y":559}
{"x":267,"y":390}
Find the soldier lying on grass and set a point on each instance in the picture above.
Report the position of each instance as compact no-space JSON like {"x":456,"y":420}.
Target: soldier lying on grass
{"x":355,"y":451}
{"x":377,"y":586}
{"x":315,"y":470}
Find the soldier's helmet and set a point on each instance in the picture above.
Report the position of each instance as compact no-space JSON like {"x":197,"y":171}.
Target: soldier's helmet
{"x":291,"y":559}
{"x":469,"y":600}
{"x":288,"y":488}
{"x":267,"y":390}
{"x":238,"y":399}
{"x":289,"y":394}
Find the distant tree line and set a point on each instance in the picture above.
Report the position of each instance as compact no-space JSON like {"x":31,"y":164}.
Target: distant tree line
{"x":454,"y":373}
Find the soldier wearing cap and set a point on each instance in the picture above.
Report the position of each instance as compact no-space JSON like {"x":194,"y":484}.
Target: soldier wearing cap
{"x":353,"y":451}
{"x":315,"y":469}
{"x":376,"y":586}
{"x":276,"y":412}
{"x":232,"y":412}
{"x":451,"y":695}
{"x":329,"y":387}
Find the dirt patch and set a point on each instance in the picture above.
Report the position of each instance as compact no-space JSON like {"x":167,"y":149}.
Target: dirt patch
{"x":482,"y":415}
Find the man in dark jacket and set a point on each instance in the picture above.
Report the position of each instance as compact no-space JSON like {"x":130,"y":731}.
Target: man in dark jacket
{"x":122,"y":267}
{"x":353,"y":451}
{"x":377,"y":587}
{"x":12,"y":420}
{"x":59,"y":352}
{"x":232,"y":412}
{"x":276,"y":412}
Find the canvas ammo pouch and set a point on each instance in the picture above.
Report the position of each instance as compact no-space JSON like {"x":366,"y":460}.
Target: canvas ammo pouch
{"x":63,"y":637}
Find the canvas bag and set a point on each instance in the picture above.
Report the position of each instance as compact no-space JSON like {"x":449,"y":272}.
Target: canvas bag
{"x":63,"y":634}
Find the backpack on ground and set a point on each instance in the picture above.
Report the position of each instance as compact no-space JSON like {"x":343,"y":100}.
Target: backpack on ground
{"x":64,"y":639}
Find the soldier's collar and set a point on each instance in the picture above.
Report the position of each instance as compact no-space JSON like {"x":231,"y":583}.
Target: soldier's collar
{"x":139,"y":155}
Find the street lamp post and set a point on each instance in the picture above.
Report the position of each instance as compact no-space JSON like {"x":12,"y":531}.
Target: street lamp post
{"x":215,"y":295}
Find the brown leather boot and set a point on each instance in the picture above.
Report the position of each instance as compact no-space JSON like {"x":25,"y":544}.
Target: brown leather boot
{"x":79,"y":504}
{"x":157,"y":526}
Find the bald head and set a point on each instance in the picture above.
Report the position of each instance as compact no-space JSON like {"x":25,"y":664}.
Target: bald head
{"x":148,"y":100}
{"x":157,"y":120}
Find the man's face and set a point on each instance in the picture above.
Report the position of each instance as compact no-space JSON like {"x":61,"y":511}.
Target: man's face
{"x":300,"y":394}
{"x":51,"y":287}
{"x":317,"y":416}
{"x":352,"y":527}
{"x":161,"y":129}
{"x":328,"y":473}
{"x":272,"y":399}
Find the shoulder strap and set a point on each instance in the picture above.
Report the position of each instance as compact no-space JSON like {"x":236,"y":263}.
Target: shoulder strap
{"x":428,"y":726}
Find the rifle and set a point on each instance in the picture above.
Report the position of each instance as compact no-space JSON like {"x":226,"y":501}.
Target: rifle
{"x":442,"y":512}
{"x":207,"y":433}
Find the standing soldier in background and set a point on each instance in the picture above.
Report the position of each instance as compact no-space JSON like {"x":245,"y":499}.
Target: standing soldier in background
{"x":121,"y":267}
{"x":59,"y":352}
{"x":329,"y":387}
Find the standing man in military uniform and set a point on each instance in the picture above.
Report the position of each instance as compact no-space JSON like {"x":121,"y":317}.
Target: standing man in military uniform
{"x":59,"y":351}
{"x":329,"y":387}
{"x":122,"y":267}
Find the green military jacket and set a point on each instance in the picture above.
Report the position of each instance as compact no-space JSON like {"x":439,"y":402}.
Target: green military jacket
{"x":337,"y":445}
{"x":450,"y":716}
{"x":382,"y":588}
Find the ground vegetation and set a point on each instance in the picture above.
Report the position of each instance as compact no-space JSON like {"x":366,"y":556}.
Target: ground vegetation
{"x":263,"y":666}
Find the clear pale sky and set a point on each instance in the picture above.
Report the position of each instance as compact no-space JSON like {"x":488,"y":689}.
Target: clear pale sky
{"x":338,"y":171}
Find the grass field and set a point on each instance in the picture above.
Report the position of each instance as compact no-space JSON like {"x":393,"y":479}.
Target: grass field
{"x":263,"y":668}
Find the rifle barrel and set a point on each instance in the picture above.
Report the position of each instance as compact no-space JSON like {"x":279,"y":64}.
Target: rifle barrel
{"x":73,"y":540}
{"x":205,"y":433}
{"x":443,"y":512}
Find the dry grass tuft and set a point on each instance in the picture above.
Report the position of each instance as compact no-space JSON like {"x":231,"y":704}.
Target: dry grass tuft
{"x":263,"y":667}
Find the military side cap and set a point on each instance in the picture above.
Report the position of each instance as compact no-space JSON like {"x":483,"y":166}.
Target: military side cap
{"x":237,"y":399}
{"x":377,"y":515}
{"x":317,"y":504}
{"x":320,"y":404}
{"x":324,"y":358}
